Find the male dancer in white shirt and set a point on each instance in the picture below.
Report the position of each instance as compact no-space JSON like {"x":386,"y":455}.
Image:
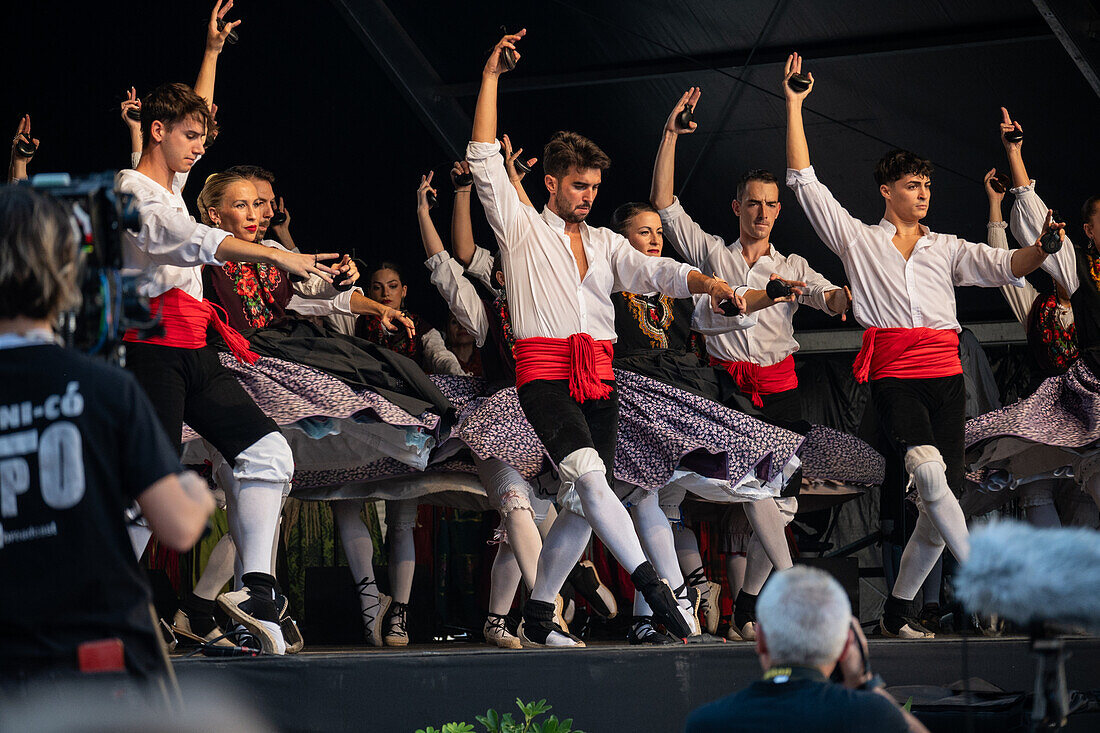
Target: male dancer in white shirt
{"x":560,"y":274}
{"x":182,"y":376}
{"x":758,"y":360}
{"x":903,"y":277}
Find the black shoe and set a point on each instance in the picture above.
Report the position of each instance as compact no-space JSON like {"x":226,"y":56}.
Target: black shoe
{"x":539,"y":629}
{"x":643,"y":632}
{"x":586,"y":581}
{"x":744,"y":616}
{"x":662,"y":600}
{"x":899,"y":621}
{"x":291,"y":634}
{"x":256,"y":611}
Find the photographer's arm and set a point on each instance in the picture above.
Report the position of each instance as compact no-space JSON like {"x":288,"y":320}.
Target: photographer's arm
{"x":855,"y":668}
{"x":177,"y":507}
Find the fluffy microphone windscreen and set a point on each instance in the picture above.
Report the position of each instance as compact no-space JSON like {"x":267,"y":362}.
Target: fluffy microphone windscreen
{"x":1032,"y":575}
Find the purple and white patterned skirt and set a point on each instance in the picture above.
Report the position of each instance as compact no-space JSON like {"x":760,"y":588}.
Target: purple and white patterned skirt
{"x":329,"y":424}
{"x":660,"y":428}
{"x":1056,"y":428}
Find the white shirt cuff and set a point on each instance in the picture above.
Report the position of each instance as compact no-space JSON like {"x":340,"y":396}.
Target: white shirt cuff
{"x":1024,"y":190}
{"x":673,"y":211}
{"x":436,"y":260}
{"x":481,"y":151}
{"x":800,"y":177}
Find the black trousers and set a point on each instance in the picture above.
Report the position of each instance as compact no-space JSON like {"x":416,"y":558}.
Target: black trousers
{"x":565,"y":425}
{"x":192,"y":386}
{"x":915,"y":412}
{"x":782,"y":409}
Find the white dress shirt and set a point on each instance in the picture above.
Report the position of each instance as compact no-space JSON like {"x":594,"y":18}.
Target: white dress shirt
{"x":546,"y":296}
{"x":1029,"y":214}
{"x":772,"y":340}
{"x":169,"y":248}
{"x":461,"y":296}
{"x":889,"y":291}
{"x":1021,"y":299}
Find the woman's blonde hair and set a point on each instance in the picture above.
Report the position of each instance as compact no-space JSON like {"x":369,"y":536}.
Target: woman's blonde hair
{"x":213,"y":191}
{"x":38,"y":255}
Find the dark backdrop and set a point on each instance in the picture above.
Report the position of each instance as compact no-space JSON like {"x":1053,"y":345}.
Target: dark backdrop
{"x":301,"y":95}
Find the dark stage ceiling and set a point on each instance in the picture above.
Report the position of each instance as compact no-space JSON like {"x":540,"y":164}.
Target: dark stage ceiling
{"x":349,"y":101}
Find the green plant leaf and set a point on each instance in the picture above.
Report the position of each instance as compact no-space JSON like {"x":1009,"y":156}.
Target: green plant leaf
{"x":908,"y":706}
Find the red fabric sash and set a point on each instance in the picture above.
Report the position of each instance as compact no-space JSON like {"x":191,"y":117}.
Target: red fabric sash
{"x":907,"y":353}
{"x":580,"y":359}
{"x":185,"y":321}
{"x":755,"y":380}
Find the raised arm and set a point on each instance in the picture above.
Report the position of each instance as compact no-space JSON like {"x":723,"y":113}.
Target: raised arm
{"x":133,"y":126}
{"x":831,"y":221}
{"x":1029,"y":212}
{"x":428,"y":234}
{"x":1014,"y":150}
{"x":798,"y":150}
{"x":503,"y":208}
{"x":515,"y":175}
{"x":17,"y":167}
{"x":462,"y":228}
{"x":485,"y":113}
{"x":664,"y":167}
{"x":215,"y":41}
{"x":1019,"y":299}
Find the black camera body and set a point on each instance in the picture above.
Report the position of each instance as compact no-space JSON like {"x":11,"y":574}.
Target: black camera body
{"x":110,"y":304}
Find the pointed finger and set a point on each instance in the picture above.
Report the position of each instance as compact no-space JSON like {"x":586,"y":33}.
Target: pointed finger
{"x":1006,"y":118}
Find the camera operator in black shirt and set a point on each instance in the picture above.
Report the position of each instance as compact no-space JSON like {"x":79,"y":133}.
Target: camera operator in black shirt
{"x":79,"y":443}
{"x":804,"y":630}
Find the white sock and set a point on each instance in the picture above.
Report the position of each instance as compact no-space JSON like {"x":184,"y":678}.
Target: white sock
{"x":930,"y":589}
{"x":504,"y":580}
{"x":139,"y":538}
{"x":525,"y":543}
{"x":561,"y":550}
{"x":609,"y":519}
{"x":359,"y":549}
{"x":253,"y":511}
{"x":548,"y":522}
{"x":943,"y":508}
{"x":218,"y":570}
{"x":921,"y":553}
{"x":402,"y":564}
{"x":769,"y":534}
{"x":757,"y":567}
{"x":687,"y":549}
{"x":655,"y":533}
{"x":400,"y":522}
{"x":641,"y":608}
{"x":735,"y":572}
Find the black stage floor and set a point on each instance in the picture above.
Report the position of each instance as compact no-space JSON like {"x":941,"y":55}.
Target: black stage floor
{"x":605,"y":687}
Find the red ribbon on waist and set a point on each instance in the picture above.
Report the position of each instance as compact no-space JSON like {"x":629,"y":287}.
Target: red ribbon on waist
{"x":185,"y":321}
{"x":907,"y":353}
{"x":579,"y":359}
{"x":756,"y":381}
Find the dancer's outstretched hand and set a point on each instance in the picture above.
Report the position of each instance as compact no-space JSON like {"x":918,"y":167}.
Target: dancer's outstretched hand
{"x":688,"y":98}
{"x":494,"y":66}
{"x":792,"y":67}
{"x":1008,"y":125}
